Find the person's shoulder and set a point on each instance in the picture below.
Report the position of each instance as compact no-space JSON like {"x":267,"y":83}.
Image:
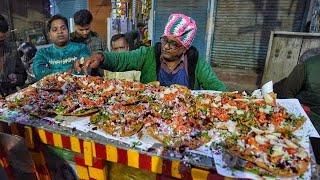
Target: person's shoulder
{"x":312,"y":59}
{"x":94,"y":34}
{"x":95,"y":37}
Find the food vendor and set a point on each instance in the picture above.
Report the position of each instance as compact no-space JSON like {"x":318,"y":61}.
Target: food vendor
{"x":171,"y":61}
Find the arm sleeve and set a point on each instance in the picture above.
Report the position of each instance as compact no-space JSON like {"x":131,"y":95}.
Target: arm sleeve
{"x":207,"y":78}
{"x":291,"y":86}
{"x":125,"y":61}
{"x":40,"y":66}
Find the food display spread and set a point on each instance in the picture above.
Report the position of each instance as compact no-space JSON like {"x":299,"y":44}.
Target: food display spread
{"x":258,"y":130}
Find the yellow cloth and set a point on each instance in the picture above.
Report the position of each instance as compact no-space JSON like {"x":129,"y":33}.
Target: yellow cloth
{"x":123,"y":172}
{"x":127,"y":75}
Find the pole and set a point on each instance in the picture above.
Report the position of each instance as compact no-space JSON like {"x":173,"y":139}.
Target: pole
{"x":12,"y":34}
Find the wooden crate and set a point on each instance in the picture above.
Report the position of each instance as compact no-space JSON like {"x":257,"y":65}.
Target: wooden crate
{"x":286,"y":50}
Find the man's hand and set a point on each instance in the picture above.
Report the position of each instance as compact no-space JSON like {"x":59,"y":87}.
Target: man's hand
{"x":77,"y":66}
{"x":93,"y":62}
{"x":12,"y":78}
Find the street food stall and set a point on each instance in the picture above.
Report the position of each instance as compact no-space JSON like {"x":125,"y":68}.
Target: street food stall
{"x":169,"y":131}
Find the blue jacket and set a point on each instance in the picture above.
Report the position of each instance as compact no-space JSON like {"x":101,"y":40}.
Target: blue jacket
{"x":53,"y":59}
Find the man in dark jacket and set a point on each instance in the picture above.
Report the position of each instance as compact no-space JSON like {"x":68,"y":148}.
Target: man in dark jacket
{"x":27,"y":51}
{"x":303,"y":83}
{"x":84,"y":34}
{"x":135,"y":37}
{"x":172,"y":61}
{"x":12,"y":72}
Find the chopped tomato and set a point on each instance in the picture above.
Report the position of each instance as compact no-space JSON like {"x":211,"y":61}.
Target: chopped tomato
{"x":117,"y":106}
{"x":215,"y":112}
{"x":107,"y":93}
{"x":277,"y":118}
{"x":291,"y":150}
{"x":249,"y":165}
{"x":192,"y":122}
{"x":232,"y":103}
{"x":242,"y":105}
{"x":181,"y":128}
{"x":132,"y":100}
{"x":260,"y":103}
{"x":239,"y":96}
{"x":139,"y":108}
{"x":86,"y":101}
{"x":169,"y":97}
{"x":220,"y":114}
{"x":131,"y":92}
{"x":225,"y":100}
{"x":99,"y":102}
{"x":139,"y":86}
{"x":168,"y":121}
{"x":264,"y":147}
{"x":262,"y":117}
{"x":149,"y":119}
{"x":251,"y":140}
{"x":223,"y":117}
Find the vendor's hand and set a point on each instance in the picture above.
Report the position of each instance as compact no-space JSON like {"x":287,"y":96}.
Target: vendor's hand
{"x":93,"y":62}
{"x":12,"y":78}
{"x":77,"y":66}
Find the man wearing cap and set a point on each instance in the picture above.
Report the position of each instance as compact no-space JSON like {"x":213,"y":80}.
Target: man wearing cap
{"x":172,"y":61}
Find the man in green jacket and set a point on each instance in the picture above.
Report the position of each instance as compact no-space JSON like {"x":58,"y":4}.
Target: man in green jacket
{"x":61,"y":55}
{"x":303,"y":83}
{"x":173,"y":61}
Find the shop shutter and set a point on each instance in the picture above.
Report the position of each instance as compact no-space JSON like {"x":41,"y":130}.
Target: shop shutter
{"x":197,"y":9}
{"x":242,"y":29}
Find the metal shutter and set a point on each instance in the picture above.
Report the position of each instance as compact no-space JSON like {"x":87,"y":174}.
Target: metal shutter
{"x":242,"y":29}
{"x":197,"y":9}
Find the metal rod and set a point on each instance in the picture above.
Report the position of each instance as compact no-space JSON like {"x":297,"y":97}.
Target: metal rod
{"x":12,"y":34}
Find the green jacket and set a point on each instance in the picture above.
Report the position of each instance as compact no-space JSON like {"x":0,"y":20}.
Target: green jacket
{"x":53,"y":59}
{"x":146,"y":60}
